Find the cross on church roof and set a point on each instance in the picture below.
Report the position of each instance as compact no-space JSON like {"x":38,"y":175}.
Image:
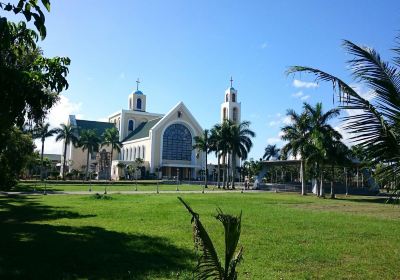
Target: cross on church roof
{"x":231,"y":81}
{"x":137,"y":84}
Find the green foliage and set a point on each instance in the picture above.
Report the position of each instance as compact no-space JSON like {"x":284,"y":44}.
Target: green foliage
{"x":89,"y":141}
{"x":209,"y":265}
{"x":17,"y":154}
{"x":29,"y":82}
{"x":375,"y":127}
{"x":68,"y":134}
{"x":271,"y":151}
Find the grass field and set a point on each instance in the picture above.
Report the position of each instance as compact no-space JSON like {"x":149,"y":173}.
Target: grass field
{"x":285,"y":236}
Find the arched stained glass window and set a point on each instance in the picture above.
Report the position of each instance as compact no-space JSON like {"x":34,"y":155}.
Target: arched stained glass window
{"x":233,"y":97}
{"x":139,"y":104}
{"x":177,"y":143}
{"x":224,"y":114}
{"x":138,"y":153}
{"x":143,"y":152}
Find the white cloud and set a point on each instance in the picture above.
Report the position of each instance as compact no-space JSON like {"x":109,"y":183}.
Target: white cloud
{"x":274,"y":123}
{"x":298,"y":94}
{"x":301,"y":84}
{"x":363,"y":92}
{"x":59,"y":114}
{"x":287,"y":120}
{"x":305,"y":97}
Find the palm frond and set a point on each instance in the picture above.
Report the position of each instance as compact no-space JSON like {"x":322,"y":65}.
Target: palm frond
{"x":208,"y":266}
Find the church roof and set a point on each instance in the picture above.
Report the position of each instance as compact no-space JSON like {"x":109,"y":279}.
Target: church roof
{"x":143,"y":130}
{"x":99,"y":127}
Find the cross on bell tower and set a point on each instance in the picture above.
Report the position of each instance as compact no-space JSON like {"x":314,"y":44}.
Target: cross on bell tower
{"x":137,"y":84}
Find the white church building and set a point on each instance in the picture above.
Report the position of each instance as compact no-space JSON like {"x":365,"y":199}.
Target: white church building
{"x":163,"y":141}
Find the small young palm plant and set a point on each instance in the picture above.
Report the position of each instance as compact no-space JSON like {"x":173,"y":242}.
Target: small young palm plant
{"x":209,"y":265}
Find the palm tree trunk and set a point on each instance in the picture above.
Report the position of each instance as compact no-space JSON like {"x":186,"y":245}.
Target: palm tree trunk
{"x":87,"y":165}
{"x":112,"y":153}
{"x":206,"y":173}
{"x":41,"y":162}
{"x":302,"y":171}
{"x":64,"y":165}
{"x":218,"y":179}
{"x":227,"y":170}
{"x":332,"y":182}
{"x":233,"y":170}
{"x":345,"y":176}
{"x":321,"y":190}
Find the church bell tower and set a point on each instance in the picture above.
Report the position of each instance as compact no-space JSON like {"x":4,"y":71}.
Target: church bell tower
{"x":137,"y":100}
{"x":230,"y":108}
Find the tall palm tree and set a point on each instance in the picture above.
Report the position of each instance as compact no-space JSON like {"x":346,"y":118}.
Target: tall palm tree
{"x":322,"y":136}
{"x":216,"y":143}
{"x":240,"y":144}
{"x":42,"y":131}
{"x":67,"y":133}
{"x":203,"y":144}
{"x":89,"y":141}
{"x":224,"y":139}
{"x":209,"y":265}
{"x":271,"y":151}
{"x":111,"y":138}
{"x":376,"y":126}
{"x":297,"y":134}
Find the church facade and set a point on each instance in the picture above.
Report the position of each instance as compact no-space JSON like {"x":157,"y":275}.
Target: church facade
{"x":163,"y":141}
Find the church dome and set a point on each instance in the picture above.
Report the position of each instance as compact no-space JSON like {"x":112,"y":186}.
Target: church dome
{"x":138,"y":92}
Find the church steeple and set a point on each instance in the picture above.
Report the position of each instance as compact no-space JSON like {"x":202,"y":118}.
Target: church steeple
{"x":137,"y":100}
{"x":230,"y":108}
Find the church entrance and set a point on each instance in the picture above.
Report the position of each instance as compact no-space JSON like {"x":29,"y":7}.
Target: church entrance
{"x":176,"y":173}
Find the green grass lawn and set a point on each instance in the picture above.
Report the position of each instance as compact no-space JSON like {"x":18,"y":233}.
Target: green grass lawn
{"x":111,"y":187}
{"x":285,"y":236}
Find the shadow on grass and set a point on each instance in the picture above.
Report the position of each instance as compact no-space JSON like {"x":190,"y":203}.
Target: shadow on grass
{"x":377,"y":200}
{"x":32,"y":250}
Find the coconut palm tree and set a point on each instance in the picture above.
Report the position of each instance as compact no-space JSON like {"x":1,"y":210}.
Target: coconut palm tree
{"x":322,"y":136}
{"x":375,"y":126}
{"x":240,"y":144}
{"x":209,"y":265}
{"x":216,"y":143}
{"x":111,"y":138}
{"x":203,"y":144}
{"x":42,"y":131}
{"x":89,"y":141}
{"x":271,"y":151}
{"x":224,"y":140}
{"x":67,"y":133}
{"x":298,"y":136}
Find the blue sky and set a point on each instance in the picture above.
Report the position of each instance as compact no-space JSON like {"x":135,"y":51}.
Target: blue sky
{"x":187,"y":51}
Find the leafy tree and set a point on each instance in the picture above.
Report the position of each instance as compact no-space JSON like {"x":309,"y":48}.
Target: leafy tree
{"x":29,"y":82}
{"x":203,"y":144}
{"x":271,"y":151}
{"x":376,"y":126}
{"x":111,"y":138}
{"x":15,"y":157}
{"x":209,"y":265}
{"x":42,"y":132}
{"x":68,"y":134}
{"x":89,"y":141}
